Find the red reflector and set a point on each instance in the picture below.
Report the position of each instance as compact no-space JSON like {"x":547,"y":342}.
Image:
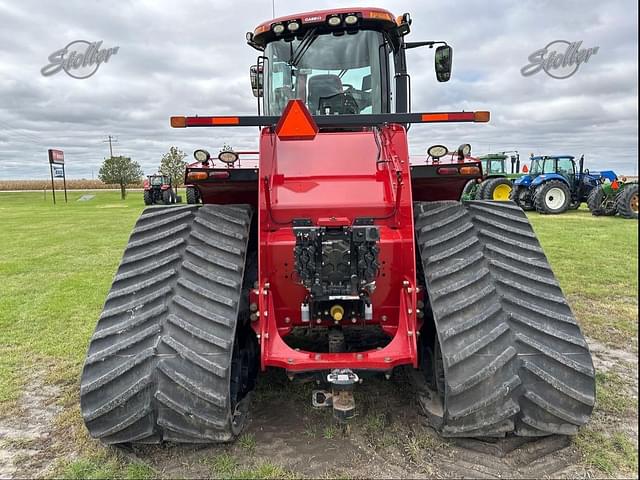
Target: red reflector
{"x":225,"y":120}
{"x":219,"y":175}
{"x":469,"y":171}
{"x":525,"y":169}
{"x":296,"y":123}
{"x":206,"y":121}
{"x":447,"y":171}
{"x":615,"y":185}
{"x":435,"y":117}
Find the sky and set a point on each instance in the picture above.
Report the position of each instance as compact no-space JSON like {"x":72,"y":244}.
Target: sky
{"x":190,"y":57}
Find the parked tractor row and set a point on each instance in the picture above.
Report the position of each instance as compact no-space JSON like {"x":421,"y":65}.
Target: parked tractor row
{"x":553,"y":184}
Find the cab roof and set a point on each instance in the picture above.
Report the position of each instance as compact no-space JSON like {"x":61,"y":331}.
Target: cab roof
{"x":370,"y":17}
{"x":551,"y":157}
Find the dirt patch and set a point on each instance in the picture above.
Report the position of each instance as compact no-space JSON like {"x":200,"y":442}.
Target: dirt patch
{"x":388,"y":439}
{"x":25,"y":435}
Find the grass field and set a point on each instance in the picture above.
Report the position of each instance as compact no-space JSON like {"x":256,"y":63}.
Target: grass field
{"x":57,"y":263}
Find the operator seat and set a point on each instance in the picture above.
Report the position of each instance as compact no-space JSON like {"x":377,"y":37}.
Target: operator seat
{"x":321,"y":87}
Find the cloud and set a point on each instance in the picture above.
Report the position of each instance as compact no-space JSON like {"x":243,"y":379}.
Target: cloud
{"x":191,"y":58}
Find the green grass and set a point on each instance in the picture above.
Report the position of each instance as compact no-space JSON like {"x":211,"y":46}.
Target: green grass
{"x":56,"y":267}
{"x":596,"y":261}
{"x":57,"y":264}
{"x":248,"y":442}
{"x":612,"y":394}
{"x":611,"y":454}
{"x":97,"y":468}
{"x":225,"y":465}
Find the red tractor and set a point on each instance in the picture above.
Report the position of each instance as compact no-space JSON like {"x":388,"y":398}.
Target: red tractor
{"x":204,"y":160}
{"x":157,"y":188}
{"x":333,"y":231}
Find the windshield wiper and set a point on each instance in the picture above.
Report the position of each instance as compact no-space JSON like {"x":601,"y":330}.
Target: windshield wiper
{"x":308,"y":38}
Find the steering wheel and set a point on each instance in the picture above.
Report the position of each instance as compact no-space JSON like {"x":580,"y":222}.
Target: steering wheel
{"x":342,"y":103}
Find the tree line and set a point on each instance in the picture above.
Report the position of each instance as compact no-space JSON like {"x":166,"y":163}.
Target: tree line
{"x":123,"y":171}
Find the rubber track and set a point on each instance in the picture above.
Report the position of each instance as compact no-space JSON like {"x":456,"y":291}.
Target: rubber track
{"x":515,"y":360}
{"x":158,"y":365}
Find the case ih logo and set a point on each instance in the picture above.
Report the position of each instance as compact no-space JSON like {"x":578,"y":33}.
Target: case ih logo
{"x":80,"y":59}
{"x":559,"y":59}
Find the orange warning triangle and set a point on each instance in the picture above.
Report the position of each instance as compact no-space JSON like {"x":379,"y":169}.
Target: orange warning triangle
{"x":296,"y":122}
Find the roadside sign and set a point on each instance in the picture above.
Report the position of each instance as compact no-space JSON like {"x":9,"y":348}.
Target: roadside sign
{"x":56,"y":167}
{"x":56,"y":156}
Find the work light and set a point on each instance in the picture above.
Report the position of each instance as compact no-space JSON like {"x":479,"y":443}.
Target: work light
{"x":201,"y":156}
{"x":293,"y":26}
{"x":334,"y":21}
{"x":228,"y":157}
{"x":278,"y":28}
{"x":351,"y":19}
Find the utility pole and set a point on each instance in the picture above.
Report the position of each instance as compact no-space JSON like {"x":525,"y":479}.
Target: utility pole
{"x":109,"y":140}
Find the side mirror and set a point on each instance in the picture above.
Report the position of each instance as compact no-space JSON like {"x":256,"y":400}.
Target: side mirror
{"x":256,"y":80}
{"x":443,"y":59}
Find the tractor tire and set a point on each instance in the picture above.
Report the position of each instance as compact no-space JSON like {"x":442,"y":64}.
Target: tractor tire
{"x":518,"y":197}
{"x":514,"y":359}
{"x":173,"y":357}
{"x":497,"y":189}
{"x":596,"y":203}
{"x":627,"y":202}
{"x":192,"y":196}
{"x":167,"y":197}
{"x":481,"y":188}
{"x":552,"y":197}
{"x":468,"y":192}
{"x":148,"y":197}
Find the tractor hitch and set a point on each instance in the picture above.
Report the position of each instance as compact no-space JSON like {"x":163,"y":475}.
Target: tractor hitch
{"x":341,"y":395}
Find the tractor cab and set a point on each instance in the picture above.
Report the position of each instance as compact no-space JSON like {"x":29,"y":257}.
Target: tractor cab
{"x":337,"y":62}
{"x":493,"y":164}
{"x":159,"y":181}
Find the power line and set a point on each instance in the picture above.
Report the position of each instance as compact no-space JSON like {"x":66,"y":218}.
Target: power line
{"x":109,"y":140}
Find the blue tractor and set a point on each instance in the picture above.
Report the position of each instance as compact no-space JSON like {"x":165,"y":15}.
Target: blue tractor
{"x":554,"y":184}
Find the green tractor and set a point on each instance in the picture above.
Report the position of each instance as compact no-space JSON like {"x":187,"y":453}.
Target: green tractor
{"x":614,"y":197}
{"x":496,"y":183}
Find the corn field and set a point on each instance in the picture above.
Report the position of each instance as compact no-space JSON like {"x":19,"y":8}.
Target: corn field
{"x":46,"y":184}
